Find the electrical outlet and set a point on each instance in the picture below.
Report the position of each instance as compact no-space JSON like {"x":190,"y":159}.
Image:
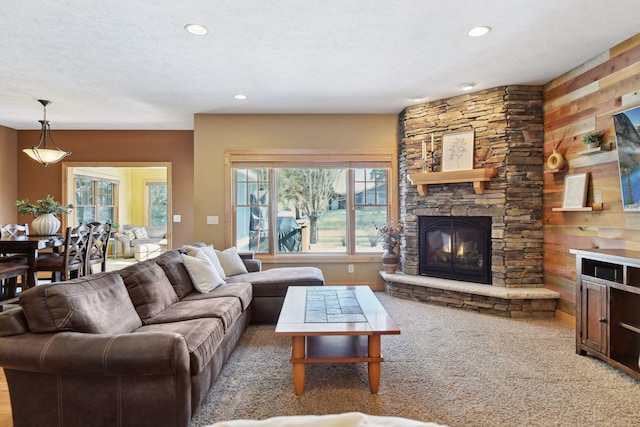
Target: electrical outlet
{"x":350,"y":268}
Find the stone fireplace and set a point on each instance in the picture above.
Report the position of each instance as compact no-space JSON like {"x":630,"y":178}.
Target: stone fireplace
{"x":508,"y":141}
{"x":507,"y":122}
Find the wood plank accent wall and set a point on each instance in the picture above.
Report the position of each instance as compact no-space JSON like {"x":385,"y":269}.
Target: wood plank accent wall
{"x":575,"y":103}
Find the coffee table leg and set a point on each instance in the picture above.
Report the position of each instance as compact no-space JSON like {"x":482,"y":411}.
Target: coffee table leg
{"x":298,"y":352}
{"x":374,"y":367}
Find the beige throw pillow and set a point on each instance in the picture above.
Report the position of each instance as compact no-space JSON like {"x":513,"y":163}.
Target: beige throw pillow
{"x":210,"y":253}
{"x":231,"y":261}
{"x":203,"y":274}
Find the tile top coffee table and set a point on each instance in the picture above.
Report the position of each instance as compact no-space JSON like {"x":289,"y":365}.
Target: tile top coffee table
{"x":334,"y":324}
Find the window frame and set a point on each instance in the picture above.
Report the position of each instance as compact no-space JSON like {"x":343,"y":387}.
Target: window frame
{"x":147,"y":202}
{"x":312,"y":158}
{"x":95,"y":180}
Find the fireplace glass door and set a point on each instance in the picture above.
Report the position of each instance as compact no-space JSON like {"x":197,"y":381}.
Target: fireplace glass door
{"x":456,"y":248}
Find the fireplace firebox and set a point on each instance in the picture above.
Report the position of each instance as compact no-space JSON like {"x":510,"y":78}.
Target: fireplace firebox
{"x":457,"y":248}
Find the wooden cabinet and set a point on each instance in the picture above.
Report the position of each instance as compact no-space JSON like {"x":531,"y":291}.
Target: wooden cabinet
{"x":608,"y":307}
{"x":594,"y":316}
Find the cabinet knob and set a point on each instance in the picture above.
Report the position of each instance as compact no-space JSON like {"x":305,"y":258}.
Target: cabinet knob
{"x":602,"y":320}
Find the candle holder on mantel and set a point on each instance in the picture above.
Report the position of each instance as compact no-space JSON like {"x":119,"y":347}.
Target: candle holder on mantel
{"x":433,"y":161}
{"x":428,"y":160}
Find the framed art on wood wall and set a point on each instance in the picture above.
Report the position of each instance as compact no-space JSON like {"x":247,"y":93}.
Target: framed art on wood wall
{"x":575,"y":190}
{"x":457,"y":151}
{"x":627,"y":125}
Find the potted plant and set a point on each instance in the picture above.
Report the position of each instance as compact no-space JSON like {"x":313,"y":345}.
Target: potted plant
{"x":46,"y":212}
{"x":593,"y":139}
{"x":390,"y":234}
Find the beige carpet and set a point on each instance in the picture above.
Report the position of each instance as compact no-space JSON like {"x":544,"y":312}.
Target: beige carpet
{"x":448,"y":366}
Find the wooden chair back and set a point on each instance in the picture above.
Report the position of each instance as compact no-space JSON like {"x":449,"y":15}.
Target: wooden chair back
{"x":14,"y":230}
{"x":77,"y":242}
{"x":97,"y":253}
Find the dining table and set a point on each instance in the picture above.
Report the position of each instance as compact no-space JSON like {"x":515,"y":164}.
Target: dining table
{"x":29,"y":246}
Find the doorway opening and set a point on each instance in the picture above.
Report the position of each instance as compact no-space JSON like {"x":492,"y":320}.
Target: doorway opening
{"x":126,"y":194}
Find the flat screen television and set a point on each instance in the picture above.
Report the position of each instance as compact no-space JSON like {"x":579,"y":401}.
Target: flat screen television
{"x":627,"y":131}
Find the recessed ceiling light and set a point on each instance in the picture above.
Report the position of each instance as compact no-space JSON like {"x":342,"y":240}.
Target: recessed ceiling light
{"x":479,"y":31}
{"x":240,"y":96}
{"x":467,"y":86}
{"x":196,"y":29}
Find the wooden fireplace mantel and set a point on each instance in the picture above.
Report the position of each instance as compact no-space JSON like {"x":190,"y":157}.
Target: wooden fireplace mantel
{"x":477,"y":176}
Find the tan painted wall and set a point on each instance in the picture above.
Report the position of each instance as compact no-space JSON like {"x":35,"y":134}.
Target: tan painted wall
{"x":8,"y":175}
{"x":132,"y":147}
{"x":214,"y":134}
{"x":577,"y":102}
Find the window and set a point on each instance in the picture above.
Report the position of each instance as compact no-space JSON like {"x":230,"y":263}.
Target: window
{"x":333,"y":208}
{"x":95,"y":199}
{"x":157,"y":203}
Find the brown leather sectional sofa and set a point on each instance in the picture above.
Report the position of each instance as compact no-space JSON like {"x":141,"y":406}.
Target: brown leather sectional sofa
{"x":137,"y":347}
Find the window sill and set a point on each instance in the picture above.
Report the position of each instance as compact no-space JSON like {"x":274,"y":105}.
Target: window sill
{"x":316,"y":258}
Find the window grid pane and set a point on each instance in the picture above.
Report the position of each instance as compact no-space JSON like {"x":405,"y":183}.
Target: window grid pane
{"x":252,"y":209}
{"x":370,"y":207}
{"x":158,"y":203}
{"x":88,"y":191}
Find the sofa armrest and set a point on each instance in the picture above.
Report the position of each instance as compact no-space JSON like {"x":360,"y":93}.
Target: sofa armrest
{"x":74,"y":353}
{"x":122,"y":238}
{"x":253,"y":265}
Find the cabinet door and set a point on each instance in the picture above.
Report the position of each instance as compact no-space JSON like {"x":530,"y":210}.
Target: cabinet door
{"x":594,"y":316}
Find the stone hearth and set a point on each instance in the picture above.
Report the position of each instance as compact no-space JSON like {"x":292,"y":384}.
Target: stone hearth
{"x":536,"y":303}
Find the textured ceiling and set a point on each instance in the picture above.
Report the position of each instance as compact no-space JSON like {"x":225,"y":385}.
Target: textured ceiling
{"x":129,"y":64}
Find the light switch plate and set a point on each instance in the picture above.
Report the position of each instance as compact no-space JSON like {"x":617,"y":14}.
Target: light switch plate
{"x":177,"y":218}
{"x":212,"y":220}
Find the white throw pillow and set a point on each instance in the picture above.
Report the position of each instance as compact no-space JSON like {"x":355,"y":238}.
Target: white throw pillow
{"x":129,"y":233}
{"x":203,"y":274}
{"x":231,"y":261}
{"x":210,"y":253}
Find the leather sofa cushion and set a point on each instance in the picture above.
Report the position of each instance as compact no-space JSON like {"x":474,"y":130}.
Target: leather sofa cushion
{"x":174,"y":269}
{"x":13,"y":322}
{"x":149,"y":288}
{"x":274,"y":282}
{"x":228,"y":309}
{"x":203,"y":336}
{"x":97,"y":304}
{"x":242,"y":290}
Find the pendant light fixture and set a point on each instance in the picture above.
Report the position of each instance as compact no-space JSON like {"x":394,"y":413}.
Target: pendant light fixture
{"x":41,"y":153}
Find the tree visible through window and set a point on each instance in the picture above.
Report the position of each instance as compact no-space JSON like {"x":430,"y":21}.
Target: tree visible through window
{"x":158,"y":206}
{"x":328,"y":209}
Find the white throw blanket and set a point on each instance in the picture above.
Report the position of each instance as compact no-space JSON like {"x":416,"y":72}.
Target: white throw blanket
{"x":349,"y":419}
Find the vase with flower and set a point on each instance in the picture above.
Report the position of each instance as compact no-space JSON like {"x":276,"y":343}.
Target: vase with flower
{"x":390,"y":234}
{"x":46,"y":212}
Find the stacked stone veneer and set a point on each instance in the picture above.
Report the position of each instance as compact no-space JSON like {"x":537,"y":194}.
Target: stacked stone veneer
{"x":509,"y":137}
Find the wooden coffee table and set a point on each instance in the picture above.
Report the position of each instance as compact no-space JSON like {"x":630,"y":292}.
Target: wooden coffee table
{"x":334,"y":324}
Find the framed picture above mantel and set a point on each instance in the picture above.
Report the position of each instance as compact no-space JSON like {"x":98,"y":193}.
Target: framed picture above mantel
{"x":457,"y":151}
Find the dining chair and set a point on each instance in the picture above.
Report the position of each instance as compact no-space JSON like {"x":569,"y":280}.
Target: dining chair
{"x":13,"y":231}
{"x":9,"y":273}
{"x":70,"y":262}
{"x":97,"y":253}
